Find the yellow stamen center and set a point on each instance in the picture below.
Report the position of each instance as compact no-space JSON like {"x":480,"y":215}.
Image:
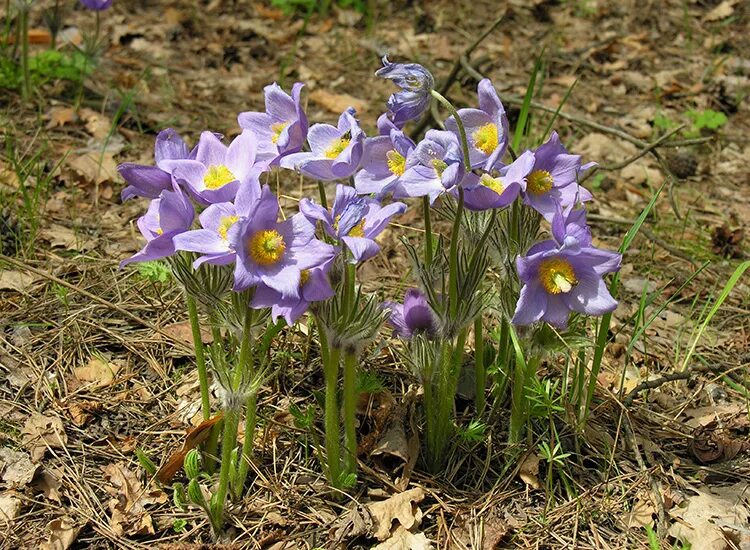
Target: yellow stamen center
{"x":337,"y":147}
{"x":396,"y":162}
{"x":539,"y":182}
{"x":496,"y":184}
{"x":266,"y":247}
{"x":224,"y":225}
{"x":358,"y":230}
{"x":217,"y":176}
{"x":557,"y":275}
{"x":160,"y":231}
{"x":439,"y":166}
{"x":277,"y":129}
{"x":485,"y":138}
{"x":304,"y":276}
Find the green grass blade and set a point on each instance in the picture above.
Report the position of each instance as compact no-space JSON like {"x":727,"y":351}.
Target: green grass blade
{"x":523,"y":116}
{"x":557,"y":111}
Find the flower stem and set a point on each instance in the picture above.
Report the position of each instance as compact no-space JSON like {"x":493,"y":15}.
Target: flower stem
{"x":479,"y":367}
{"x":428,"y":247}
{"x":322,"y":193}
{"x":200,"y":356}
{"x":247,"y":444}
{"x":350,"y":411}
{"x":332,"y":426}
{"x":453,"y":257}
{"x":459,"y":123}
{"x":229,"y":442}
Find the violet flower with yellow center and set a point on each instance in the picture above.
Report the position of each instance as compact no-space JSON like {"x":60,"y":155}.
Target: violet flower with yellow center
{"x":498,"y":188}
{"x":383,"y":163}
{"x":486,"y":127}
{"x":354,"y":221}
{"x":282,"y":129}
{"x":553,"y":180}
{"x":414,"y":316}
{"x":275,"y":254}
{"x":335,"y":151}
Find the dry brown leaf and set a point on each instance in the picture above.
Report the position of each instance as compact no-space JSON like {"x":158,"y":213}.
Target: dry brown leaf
{"x":16,"y":280}
{"x":62,"y":533}
{"x":713,"y":517}
{"x":40,"y":432}
{"x":16,"y":469}
{"x":49,"y":485}
{"x":94,"y":167}
{"x":529,"y":470}
{"x":722,"y":11}
{"x":401,"y":507}
{"x":402,"y":539}
{"x":97,"y":373}
{"x":10,"y":507}
{"x":641,"y":514}
{"x":337,"y":103}
{"x":60,"y":116}
{"x":60,"y":236}
{"x":184,"y":333}
{"x":130,"y":498}
{"x":97,"y":124}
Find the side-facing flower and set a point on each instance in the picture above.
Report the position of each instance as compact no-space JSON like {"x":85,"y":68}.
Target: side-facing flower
{"x":273,"y":253}
{"x":97,"y":5}
{"x":564,"y":274}
{"x":385,"y":125}
{"x":553,"y":181}
{"x":335,"y":151}
{"x":219,"y":223}
{"x":354,"y":221}
{"x":314,"y":287}
{"x":383,"y":163}
{"x":282,"y":129}
{"x":416,"y":84}
{"x":414,"y":316}
{"x":434,"y":167}
{"x":486,"y":191}
{"x":167,"y":216}
{"x":486,"y":127}
{"x":150,"y":181}
{"x":217,"y":171}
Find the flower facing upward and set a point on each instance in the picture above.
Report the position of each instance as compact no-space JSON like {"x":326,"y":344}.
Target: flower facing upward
{"x":150,"y":181}
{"x":282,"y":129}
{"x":275,"y":254}
{"x":416,"y":84}
{"x":383,"y":163}
{"x":486,"y":127}
{"x":564,"y":274}
{"x":97,"y":5}
{"x":486,"y":191}
{"x":167,"y":217}
{"x":414,"y":317}
{"x":217,"y":171}
{"x":353,"y":220}
{"x":335,"y":151}
{"x":435,"y":165}
{"x":553,"y":181}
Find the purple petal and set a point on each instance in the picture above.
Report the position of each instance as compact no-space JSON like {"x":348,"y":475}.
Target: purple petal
{"x":532,"y":303}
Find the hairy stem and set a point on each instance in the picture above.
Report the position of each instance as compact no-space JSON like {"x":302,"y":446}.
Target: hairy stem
{"x":200,"y":355}
{"x":459,"y":123}
{"x":332,"y":425}
{"x":350,"y":409}
{"x":453,"y":256}
{"x":428,"y":246}
{"x":479,"y":367}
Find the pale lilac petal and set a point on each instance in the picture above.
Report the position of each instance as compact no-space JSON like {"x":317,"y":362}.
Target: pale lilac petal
{"x":204,"y":241}
{"x":211,"y":151}
{"x":557,"y":311}
{"x":532,"y":303}
{"x":362,"y":249}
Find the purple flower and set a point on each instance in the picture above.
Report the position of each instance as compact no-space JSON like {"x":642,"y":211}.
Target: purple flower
{"x":564,"y":275}
{"x":282,"y":129}
{"x":167,"y":216}
{"x":314,"y":287}
{"x":486,"y":127}
{"x":435,"y":165}
{"x":385,"y":125}
{"x":353,"y":220}
{"x":272,"y":253}
{"x":335,"y":150}
{"x":486,"y":191}
{"x":383,"y":163}
{"x":554,"y":179}
{"x":97,"y":5}
{"x":416,"y":84}
{"x":415,"y":316}
{"x":150,"y":181}
{"x":219,"y":225}
{"x":217,"y":171}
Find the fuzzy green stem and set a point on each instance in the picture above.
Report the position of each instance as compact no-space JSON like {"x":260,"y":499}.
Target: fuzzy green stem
{"x":480,"y":370}
{"x":247,"y":444}
{"x":200,"y":356}
{"x":453,"y":256}
{"x":332,"y":425}
{"x":24,"y":16}
{"x":459,"y":123}
{"x":229,"y":442}
{"x":428,"y":246}
{"x":243,"y":369}
{"x":322,"y":193}
{"x":350,"y":410}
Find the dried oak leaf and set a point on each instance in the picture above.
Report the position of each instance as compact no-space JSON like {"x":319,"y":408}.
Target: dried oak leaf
{"x":712,"y":443}
{"x":130,"y":498}
{"x":97,"y":373}
{"x":41,"y":432}
{"x":726,"y":242}
{"x":16,"y":470}
{"x":62,"y":533}
{"x":403,"y":538}
{"x":401,"y":507}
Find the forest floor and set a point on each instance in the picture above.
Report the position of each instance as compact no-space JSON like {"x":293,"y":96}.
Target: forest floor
{"x":96,"y":362}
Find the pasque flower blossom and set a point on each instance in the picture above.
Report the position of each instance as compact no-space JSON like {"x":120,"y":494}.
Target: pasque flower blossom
{"x":150,"y":181}
{"x":167,"y":216}
{"x":354,"y":221}
{"x":217,"y":171}
{"x":282,"y":129}
{"x":486,"y":127}
{"x":414,"y":316}
{"x":272,"y":253}
{"x":97,"y":5}
{"x":498,"y":188}
{"x":383,"y":163}
{"x":335,"y":151}
{"x":435,"y":166}
{"x":564,"y":274}
{"x":416,"y":85}
{"x":553,"y":181}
